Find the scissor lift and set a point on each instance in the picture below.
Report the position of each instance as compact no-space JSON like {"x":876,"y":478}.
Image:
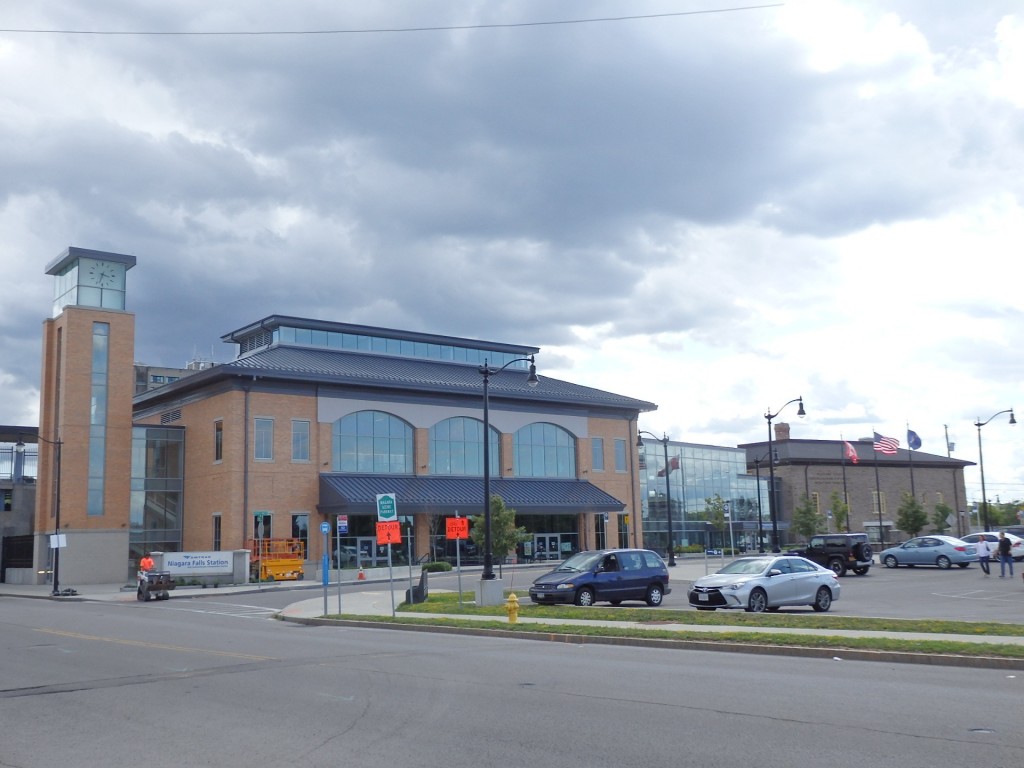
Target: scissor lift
{"x":277,"y":559}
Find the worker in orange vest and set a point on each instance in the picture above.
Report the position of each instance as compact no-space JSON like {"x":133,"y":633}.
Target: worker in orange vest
{"x":146,"y":563}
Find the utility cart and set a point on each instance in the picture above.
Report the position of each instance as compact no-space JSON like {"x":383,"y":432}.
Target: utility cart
{"x":154,"y":585}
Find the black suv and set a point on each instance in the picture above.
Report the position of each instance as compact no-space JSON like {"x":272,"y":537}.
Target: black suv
{"x":839,"y":552}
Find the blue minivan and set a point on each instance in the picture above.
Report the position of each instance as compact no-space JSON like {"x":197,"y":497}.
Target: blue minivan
{"x":608,"y":575}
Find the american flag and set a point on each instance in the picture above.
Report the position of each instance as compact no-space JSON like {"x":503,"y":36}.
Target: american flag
{"x":885,"y":444}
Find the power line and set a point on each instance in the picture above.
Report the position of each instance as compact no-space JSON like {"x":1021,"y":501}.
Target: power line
{"x":386,"y":30}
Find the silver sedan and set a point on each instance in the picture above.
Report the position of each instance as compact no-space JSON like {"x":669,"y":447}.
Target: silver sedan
{"x":766,"y":583}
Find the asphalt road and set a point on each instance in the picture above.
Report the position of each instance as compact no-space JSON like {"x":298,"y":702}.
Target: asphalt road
{"x":212,"y":682}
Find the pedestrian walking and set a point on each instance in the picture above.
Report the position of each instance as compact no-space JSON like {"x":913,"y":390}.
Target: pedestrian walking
{"x":984,"y":554}
{"x":1005,"y":558}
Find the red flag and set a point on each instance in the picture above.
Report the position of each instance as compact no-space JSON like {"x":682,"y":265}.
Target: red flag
{"x":673,"y":465}
{"x":851,"y":452}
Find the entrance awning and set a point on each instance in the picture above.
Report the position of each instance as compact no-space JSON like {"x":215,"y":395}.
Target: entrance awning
{"x":354,"y":494}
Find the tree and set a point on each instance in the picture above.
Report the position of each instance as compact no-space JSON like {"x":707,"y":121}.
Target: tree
{"x":807,"y":520}
{"x":840,"y":511}
{"x":505,"y":536}
{"x":714,"y":509}
{"x":911,"y":517}
{"x":940,"y":515}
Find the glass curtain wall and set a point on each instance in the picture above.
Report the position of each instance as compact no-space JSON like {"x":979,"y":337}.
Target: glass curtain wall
{"x":696,"y":475}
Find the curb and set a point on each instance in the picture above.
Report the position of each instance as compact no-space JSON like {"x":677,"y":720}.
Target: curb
{"x":892,"y":657}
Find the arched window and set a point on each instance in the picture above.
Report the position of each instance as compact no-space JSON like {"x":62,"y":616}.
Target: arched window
{"x":457,"y":448}
{"x":372,"y":441}
{"x":544,"y":450}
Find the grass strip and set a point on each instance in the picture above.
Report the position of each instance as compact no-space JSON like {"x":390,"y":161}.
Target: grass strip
{"x":831,"y":642}
{"x":448,"y":603}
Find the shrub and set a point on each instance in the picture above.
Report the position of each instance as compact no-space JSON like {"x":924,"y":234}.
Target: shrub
{"x":437,"y":566}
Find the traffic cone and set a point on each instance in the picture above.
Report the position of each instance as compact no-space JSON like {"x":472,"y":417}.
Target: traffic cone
{"x":361,"y":576}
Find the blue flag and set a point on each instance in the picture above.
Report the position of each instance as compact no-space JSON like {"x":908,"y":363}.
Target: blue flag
{"x":913,"y":440}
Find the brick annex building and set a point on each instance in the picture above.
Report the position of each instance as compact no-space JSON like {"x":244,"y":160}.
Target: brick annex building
{"x":872,"y":487}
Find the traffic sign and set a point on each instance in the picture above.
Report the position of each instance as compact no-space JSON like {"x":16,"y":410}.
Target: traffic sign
{"x":387,"y":508}
{"x":389,"y":532}
{"x":456,"y":527}
{"x":342,"y":523}
{"x":325,"y":527}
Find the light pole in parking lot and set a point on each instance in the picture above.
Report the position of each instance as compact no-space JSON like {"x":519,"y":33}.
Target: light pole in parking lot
{"x":531,"y":381}
{"x":768,"y":415}
{"x":668,"y":488}
{"x":981,"y":461}
{"x":760,"y":523}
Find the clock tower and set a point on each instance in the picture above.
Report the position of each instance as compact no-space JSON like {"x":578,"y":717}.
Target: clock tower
{"x":85,"y":421}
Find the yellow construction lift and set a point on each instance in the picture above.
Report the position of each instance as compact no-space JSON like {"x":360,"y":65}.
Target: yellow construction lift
{"x":277,"y":559}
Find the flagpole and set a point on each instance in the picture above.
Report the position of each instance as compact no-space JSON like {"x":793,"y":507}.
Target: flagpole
{"x":878,"y":498}
{"x":911,"y":451}
{"x":846,"y":498}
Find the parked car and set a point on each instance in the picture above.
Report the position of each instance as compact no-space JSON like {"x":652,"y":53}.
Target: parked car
{"x":766,"y":583}
{"x":938,"y":550}
{"x":611,"y":575}
{"x":839,"y":552}
{"x":349,"y":557}
{"x":1016,"y":543}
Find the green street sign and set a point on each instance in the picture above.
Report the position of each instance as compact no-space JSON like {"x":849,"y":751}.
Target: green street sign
{"x":387,"y":508}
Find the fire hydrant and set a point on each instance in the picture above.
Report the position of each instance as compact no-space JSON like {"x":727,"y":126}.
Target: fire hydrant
{"x":512,"y":608}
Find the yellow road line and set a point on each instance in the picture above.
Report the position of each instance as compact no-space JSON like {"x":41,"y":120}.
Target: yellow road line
{"x":158,"y":646}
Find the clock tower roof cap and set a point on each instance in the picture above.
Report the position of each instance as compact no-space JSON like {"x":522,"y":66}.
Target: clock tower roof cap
{"x":72,"y":253}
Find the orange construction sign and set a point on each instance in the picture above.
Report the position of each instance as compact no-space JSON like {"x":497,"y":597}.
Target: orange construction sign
{"x":456,"y":527}
{"x":389,"y":532}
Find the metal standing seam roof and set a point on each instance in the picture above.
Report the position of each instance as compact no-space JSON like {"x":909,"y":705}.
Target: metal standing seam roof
{"x":357,"y":494}
{"x":363,"y":369}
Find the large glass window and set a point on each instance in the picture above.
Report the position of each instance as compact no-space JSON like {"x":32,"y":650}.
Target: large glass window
{"x":544,"y":450}
{"x":457,"y":448}
{"x":372,"y":441}
{"x":157,"y":483}
{"x":300,"y":440}
{"x":98,"y":418}
{"x":620,"y":455}
{"x":597,"y":454}
{"x":263,"y":439}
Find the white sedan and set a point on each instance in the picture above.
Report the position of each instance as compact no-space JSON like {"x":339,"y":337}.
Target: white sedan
{"x":992,"y":537}
{"x":766,"y":583}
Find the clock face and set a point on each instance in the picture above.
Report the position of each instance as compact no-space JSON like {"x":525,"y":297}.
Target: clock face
{"x":103,"y":274}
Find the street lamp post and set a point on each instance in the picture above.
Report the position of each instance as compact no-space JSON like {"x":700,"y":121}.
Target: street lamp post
{"x":57,"y":445}
{"x":981,"y":461}
{"x":760,"y":523}
{"x":487,"y":371}
{"x":668,"y":490}
{"x":768,"y":415}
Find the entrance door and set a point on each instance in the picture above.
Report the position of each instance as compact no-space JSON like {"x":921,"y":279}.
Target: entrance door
{"x":370,"y":555}
{"x":547,"y":546}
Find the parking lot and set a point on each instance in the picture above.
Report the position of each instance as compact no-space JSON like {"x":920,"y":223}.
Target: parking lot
{"x":906,"y":593}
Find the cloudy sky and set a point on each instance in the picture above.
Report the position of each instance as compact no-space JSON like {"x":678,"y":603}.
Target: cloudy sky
{"x":711,"y":207}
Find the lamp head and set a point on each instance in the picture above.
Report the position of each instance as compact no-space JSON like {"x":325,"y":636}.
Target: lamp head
{"x":532,"y":379}
{"x":19,"y":447}
{"x":800,"y":411}
{"x":639,"y":440}
{"x":1012,"y":420}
